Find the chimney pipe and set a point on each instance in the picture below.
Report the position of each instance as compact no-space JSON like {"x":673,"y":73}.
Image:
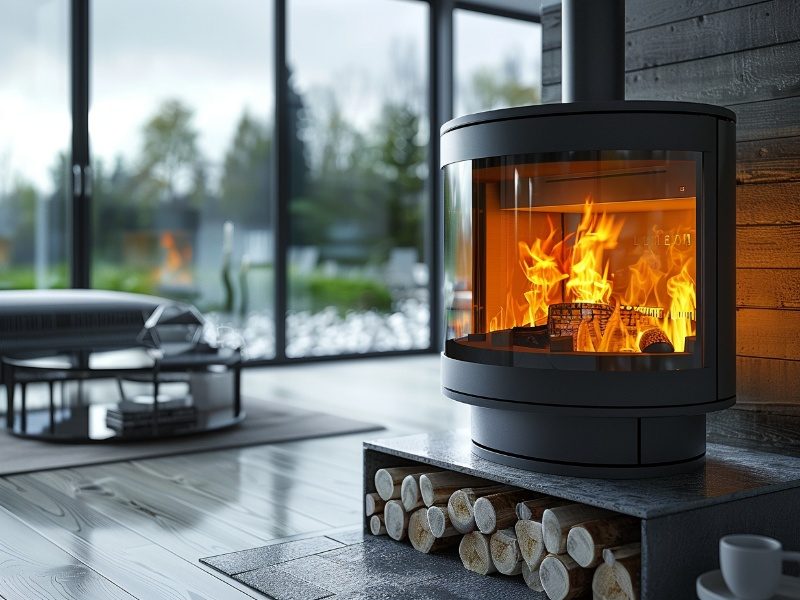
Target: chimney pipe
{"x":592,"y":50}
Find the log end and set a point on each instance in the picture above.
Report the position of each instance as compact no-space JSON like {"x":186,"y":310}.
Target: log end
{"x":437,"y":521}
{"x":581,"y":547}
{"x":426,"y":490}
{"x":409,"y":493}
{"x":485,"y":516}
{"x":395,"y":520}
{"x":459,"y":509}
{"x":554,"y":578}
{"x":554,"y":540}
{"x":475,"y":554}
{"x":384,"y":485}
{"x":531,"y":578}
{"x":376,"y":525}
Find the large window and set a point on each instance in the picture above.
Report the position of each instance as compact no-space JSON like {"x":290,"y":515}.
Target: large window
{"x":358,"y":275}
{"x":140,"y":152}
{"x":497,"y":62}
{"x":181,"y":137}
{"x":34,"y":144}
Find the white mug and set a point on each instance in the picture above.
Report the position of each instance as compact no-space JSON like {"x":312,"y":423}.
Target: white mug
{"x":752,"y":565}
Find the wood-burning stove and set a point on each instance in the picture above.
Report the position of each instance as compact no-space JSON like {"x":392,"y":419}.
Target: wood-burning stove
{"x":589,"y":268}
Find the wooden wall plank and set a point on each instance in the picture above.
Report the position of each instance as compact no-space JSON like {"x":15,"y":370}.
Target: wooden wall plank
{"x":768,"y":381}
{"x":551,"y":94}
{"x":751,"y":26}
{"x":640,"y":14}
{"x":551,"y":67}
{"x":779,"y":118}
{"x":768,"y":204}
{"x":768,"y":288}
{"x":765,"y":333}
{"x":773,"y":160}
{"x":748,"y":76}
{"x":551,"y":27}
{"x":768,"y":246}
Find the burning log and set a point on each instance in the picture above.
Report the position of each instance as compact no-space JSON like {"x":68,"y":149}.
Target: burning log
{"x":498,"y":511}
{"x":420,"y":536}
{"x":586,"y":542}
{"x":376,"y":525}
{"x":439,"y":522}
{"x":531,"y":542}
{"x":563,"y":578}
{"x":475,"y":554}
{"x":388,"y":481}
{"x":436,"y":488}
{"x":557,"y":521}
{"x":460,"y":506}
{"x":505,"y":552}
{"x":373,"y":504}
{"x":531,"y":578}
{"x":655,"y":340}
{"x":617,"y":578}
{"x":395,"y":519}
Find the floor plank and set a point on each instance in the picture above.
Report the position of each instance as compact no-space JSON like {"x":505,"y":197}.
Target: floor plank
{"x":139,"y":526}
{"x":144,"y":569}
{"x":32,"y":567}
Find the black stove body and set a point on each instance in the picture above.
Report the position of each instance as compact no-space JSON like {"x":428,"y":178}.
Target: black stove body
{"x":590,"y":272}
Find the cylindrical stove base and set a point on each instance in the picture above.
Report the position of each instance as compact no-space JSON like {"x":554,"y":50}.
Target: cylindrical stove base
{"x":590,"y":446}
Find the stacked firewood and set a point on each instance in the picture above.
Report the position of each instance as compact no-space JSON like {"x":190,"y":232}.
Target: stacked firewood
{"x":564,"y":549}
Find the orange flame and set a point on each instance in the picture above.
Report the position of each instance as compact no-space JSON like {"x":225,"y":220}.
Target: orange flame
{"x":177,"y":259}
{"x":657,"y":295}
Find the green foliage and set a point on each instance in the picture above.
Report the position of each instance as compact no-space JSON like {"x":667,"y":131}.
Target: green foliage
{"x":491,"y":88}
{"x":246,"y":186}
{"x":318,"y":291}
{"x":169,"y":153}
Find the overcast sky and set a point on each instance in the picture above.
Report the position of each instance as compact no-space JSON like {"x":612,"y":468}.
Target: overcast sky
{"x":215,"y":55}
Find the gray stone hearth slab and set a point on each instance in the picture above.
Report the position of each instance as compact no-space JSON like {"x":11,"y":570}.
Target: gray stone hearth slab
{"x":248,"y":560}
{"x":375,"y":568}
{"x":730,"y":473}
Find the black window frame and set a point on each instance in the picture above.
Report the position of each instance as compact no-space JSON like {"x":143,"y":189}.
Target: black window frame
{"x":440,"y":109}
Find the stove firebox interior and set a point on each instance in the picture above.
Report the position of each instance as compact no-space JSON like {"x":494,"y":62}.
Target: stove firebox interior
{"x":589,"y":268}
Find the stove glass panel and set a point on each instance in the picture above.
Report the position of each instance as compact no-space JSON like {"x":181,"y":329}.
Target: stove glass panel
{"x":582,"y":260}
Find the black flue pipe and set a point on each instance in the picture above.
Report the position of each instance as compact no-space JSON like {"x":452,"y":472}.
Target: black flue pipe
{"x":592,"y":50}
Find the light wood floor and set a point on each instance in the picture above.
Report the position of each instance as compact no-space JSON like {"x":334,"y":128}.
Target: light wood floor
{"x":137,"y":529}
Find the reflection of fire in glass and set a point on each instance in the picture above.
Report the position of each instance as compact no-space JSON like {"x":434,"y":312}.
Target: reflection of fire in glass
{"x":176,"y":266}
{"x":571,"y":288}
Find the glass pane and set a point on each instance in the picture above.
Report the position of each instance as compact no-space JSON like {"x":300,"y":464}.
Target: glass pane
{"x":181,"y":136}
{"x":497,"y":62}
{"x":583,"y":260}
{"x":358,"y":272}
{"x":35,"y":129}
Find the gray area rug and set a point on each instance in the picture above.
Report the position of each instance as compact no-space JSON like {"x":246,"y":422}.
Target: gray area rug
{"x":350,"y":565}
{"x":266,"y":423}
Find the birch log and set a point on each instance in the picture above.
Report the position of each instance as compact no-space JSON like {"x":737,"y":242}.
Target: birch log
{"x":531,"y":542}
{"x":420,"y":536}
{"x":436,"y":488}
{"x":586,"y":542}
{"x":373,"y":504}
{"x":439,"y":522}
{"x":388,"y":481}
{"x":498,"y":511}
{"x":409,"y":492}
{"x":532,"y":510}
{"x":531,"y":578}
{"x":505,"y":553}
{"x":475,"y":554}
{"x":376,"y":525}
{"x":563,"y":578}
{"x":395,"y":519}
{"x":557,"y":521}
{"x":618,"y":577}
{"x":460,"y":506}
